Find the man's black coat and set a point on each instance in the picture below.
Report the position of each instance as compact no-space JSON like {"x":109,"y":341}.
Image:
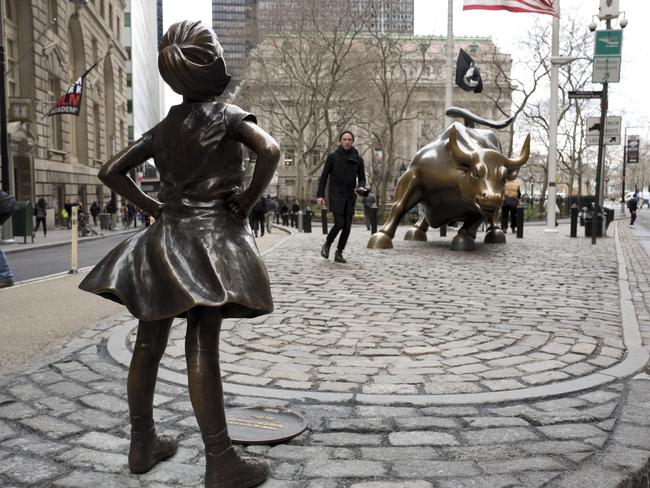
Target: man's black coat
{"x":343,"y":168}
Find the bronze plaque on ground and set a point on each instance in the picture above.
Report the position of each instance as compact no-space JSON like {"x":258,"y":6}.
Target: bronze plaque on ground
{"x":264,"y":425}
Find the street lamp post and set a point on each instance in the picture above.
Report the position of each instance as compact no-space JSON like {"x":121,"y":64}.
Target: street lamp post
{"x":552,"y":140}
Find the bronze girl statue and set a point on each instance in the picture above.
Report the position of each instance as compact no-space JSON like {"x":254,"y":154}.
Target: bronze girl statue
{"x":199,"y":259}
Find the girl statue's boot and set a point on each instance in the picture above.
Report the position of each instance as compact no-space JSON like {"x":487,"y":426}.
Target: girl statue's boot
{"x":224,"y":468}
{"x":146,"y":447}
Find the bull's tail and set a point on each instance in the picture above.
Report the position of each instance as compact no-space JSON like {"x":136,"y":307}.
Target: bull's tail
{"x":471,"y":119}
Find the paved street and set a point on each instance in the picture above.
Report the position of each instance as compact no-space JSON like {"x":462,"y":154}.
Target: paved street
{"x":418,"y":367}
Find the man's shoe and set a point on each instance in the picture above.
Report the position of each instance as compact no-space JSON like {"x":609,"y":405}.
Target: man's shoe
{"x":338,"y":257}
{"x":325,"y":251}
{"x":6,"y":283}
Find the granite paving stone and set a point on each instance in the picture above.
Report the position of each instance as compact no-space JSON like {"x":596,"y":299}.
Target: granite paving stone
{"x":64,"y":423}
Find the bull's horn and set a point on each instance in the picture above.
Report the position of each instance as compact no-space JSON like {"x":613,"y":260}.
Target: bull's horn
{"x":516,"y":163}
{"x":459,"y":157}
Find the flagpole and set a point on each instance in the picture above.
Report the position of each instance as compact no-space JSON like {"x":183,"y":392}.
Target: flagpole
{"x":450,"y":60}
{"x":552,"y":140}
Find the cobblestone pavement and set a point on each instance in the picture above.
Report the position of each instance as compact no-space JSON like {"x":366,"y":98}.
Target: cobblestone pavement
{"x":420,"y":326}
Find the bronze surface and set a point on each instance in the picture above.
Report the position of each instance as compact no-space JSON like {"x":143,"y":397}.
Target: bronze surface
{"x":199,"y":259}
{"x":460,"y":176}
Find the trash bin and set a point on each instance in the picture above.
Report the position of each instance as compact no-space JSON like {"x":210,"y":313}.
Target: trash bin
{"x":23,"y":223}
{"x":104,"y":221}
{"x":589,"y":220}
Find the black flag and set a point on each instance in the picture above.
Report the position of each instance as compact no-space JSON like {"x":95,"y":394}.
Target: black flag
{"x":70,"y":102}
{"x":468,"y":76}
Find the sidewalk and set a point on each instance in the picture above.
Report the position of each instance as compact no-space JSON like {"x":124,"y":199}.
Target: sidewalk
{"x":60,"y":236}
{"x":417,"y":367}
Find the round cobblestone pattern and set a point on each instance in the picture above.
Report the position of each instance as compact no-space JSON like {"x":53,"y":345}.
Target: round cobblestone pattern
{"x":422,"y":319}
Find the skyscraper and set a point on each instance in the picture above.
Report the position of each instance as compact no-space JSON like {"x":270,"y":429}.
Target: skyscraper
{"x":241,"y":24}
{"x":233,"y":21}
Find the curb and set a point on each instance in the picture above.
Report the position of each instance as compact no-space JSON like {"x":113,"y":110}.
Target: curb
{"x":67,"y":243}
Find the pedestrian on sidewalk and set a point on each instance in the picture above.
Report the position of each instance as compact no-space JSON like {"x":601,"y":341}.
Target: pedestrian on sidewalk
{"x":95,"y":211}
{"x":198,"y":259}
{"x":40,"y":212}
{"x":67,"y":214}
{"x":511,"y":200}
{"x":368,"y":203}
{"x":284,"y":213}
{"x":632,"y":205}
{"x":269,"y":212}
{"x":7,"y":204}
{"x":343,"y":168}
{"x":257,"y":217}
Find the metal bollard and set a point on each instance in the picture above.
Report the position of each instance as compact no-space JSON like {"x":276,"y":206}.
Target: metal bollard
{"x":443,"y":230}
{"x":373,"y":219}
{"x":299,"y":222}
{"x":574,"y":220}
{"x":307,"y":222}
{"x":520,"y":222}
{"x":323,"y":219}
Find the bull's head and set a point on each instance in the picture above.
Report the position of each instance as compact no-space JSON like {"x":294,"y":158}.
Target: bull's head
{"x":486,"y":172}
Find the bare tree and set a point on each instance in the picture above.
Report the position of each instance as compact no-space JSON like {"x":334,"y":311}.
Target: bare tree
{"x":393,"y":77}
{"x":301,"y":80}
{"x":571,"y":147}
{"x":511,"y":92}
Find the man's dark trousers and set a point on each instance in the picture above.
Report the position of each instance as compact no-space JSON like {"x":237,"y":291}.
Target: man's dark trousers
{"x":343,"y":224}
{"x":505,"y":210}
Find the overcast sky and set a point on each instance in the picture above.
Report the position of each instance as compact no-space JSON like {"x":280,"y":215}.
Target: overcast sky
{"x":629,"y":98}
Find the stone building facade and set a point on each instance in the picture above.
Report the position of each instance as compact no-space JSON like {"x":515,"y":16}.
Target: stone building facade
{"x":50,"y":43}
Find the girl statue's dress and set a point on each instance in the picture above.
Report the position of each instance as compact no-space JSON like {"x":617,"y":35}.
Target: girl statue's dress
{"x":199,"y":259}
{"x":197,"y":252}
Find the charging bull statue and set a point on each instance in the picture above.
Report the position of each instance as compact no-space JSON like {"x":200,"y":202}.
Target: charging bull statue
{"x":460,"y":176}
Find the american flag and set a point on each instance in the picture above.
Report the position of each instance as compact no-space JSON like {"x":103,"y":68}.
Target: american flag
{"x":531,"y":6}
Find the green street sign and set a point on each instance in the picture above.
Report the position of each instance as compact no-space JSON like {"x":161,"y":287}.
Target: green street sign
{"x":607,"y":56}
{"x":608,"y":42}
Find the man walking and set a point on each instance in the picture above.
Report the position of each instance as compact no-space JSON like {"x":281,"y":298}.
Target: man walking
{"x":368,"y":203}
{"x":269,"y":212}
{"x":512,"y":197}
{"x":632,"y":206}
{"x":343,"y":168}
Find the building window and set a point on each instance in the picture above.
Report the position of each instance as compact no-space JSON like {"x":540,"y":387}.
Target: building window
{"x":10,"y":10}
{"x":118,"y":26}
{"x":54,"y":127}
{"x":11,"y":60}
{"x":52,"y":14}
{"x":129,"y":106}
{"x":95,"y":49}
{"x":102,"y":10}
{"x":129,"y":80}
{"x":97,"y":127}
{"x":315,"y":157}
{"x":289,"y":155}
{"x":127,"y":19}
{"x":110,"y":15}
